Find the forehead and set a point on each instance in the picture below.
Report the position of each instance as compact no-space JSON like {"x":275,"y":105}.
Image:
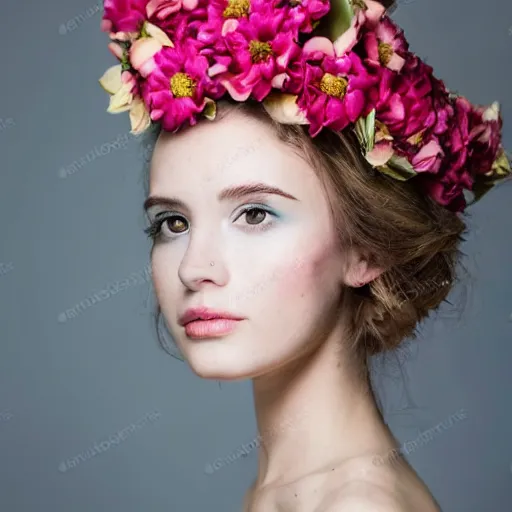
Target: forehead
{"x":233,"y":150}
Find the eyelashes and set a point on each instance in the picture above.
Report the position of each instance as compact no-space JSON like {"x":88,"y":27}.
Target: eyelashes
{"x":156,"y":233}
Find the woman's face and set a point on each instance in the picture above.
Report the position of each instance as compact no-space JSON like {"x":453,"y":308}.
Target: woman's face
{"x":277,"y":264}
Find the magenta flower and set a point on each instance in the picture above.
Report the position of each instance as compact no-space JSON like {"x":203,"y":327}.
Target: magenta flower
{"x":260,"y":51}
{"x":183,"y":24}
{"x":429,"y":157}
{"x":303,"y":15}
{"x":485,"y":138}
{"x":386,"y":45}
{"x":337,"y":89}
{"x":222,"y":10}
{"x":471,"y":145}
{"x":178,"y":89}
{"x":367,"y":15}
{"x":373,"y":11}
{"x":221,"y":16}
{"x":447,"y":190}
{"x":447,"y":187}
{"x":457,"y":138}
{"x":412,"y":104}
{"x":162,"y":9}
{"x":224,"y":15}
{"x":123,"y":15}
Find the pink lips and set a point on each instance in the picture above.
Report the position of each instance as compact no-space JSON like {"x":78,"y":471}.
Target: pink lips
{"x":208,"y":323}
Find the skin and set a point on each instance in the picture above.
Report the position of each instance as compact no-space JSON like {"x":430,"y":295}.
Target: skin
{"x":288,"y":282}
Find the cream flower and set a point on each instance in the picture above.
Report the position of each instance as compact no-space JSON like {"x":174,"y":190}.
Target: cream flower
{"x":120,"y":85}
{"x":142,"y":51}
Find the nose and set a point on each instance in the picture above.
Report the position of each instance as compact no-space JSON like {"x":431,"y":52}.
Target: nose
{"x":196,"y":268}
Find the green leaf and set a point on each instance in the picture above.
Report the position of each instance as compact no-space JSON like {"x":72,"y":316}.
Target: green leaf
{"x":370,"y":130}
{"x":480,"y":188}
{"x":365,"y":131}
{"x":500,"y":172}
{"x":210,"y":110}
{"x":398,"y":168}
{"x":337,"y":20}
{"x":360,"y":131}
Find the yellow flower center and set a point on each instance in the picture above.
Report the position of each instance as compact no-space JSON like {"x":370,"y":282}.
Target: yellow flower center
{"x":294,"y":3}
{"x":259,"y":51}
{"x":182,"y":86}
{"x":385,"y":53}
{"x":333,"y":85}
{"x":237,"y":9}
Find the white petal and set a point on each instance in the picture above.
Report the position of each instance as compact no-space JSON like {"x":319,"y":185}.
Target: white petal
{"x":283,"y":108}
{"x":111,"y":79}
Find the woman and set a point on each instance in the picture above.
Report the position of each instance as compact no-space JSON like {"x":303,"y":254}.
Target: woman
{"x":311,"y":221}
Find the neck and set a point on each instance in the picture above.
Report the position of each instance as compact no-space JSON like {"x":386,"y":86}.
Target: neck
{"x":316,"y":411}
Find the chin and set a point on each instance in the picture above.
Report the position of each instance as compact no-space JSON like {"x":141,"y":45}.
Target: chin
{"x":220,"y":360}
{"x":218,"y":372}
{"x":215,"y":359}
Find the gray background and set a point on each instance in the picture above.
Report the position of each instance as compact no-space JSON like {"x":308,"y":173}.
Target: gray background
{"x":70,"y":381}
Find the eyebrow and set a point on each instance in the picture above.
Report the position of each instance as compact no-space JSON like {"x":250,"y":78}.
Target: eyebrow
{"x":236,"y":192}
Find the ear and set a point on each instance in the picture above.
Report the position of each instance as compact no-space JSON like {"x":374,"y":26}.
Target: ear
{"x":358,"y":271}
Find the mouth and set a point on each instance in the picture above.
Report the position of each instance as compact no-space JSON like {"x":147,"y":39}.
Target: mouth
{"x":212,"y":328}
{"x":206,"y":314}
{"x":203,"y":322}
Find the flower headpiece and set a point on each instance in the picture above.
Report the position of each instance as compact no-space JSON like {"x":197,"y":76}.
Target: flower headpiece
{"x":327,"y":64}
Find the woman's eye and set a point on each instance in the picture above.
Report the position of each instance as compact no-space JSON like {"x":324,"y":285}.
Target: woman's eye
{"x":174,"y":224}
{"x":255,"y":215}
{"x":257,"y":218}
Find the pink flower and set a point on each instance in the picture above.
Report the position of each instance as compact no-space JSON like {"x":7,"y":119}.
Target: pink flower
{"x":412,"y":104}
{"x":260,"y":51}
{"x":456,"y":139}
{"x":458,"y":134}
{"x":485,"y":138}
{"x":367,"y":15}
{"x":303,"y":15}
{"x":429,"y":157}
{"x":183,"y":24}
{"x":373,"y":11}
{"x":448,"y":191}
{"x":161,"y":9}
{"x":386,"y":45}
{"x":222,"y":10}
{"x":447,"y":187}
{"x":223,"y":16}
{"x":336,"y":88}
{"x":123,"y":15}
{"x":177,"y":89}
{"x":141,"y":51}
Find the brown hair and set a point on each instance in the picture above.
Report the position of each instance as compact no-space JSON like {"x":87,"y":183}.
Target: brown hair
{"x":393,"y":223}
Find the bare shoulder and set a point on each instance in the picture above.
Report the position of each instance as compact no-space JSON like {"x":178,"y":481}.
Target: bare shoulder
{"x":361,"y":496}
{"x":391,"y":488}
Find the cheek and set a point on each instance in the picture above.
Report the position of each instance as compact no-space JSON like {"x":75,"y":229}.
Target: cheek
{"x":163,"y":281}
{"x":309,"y":276}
